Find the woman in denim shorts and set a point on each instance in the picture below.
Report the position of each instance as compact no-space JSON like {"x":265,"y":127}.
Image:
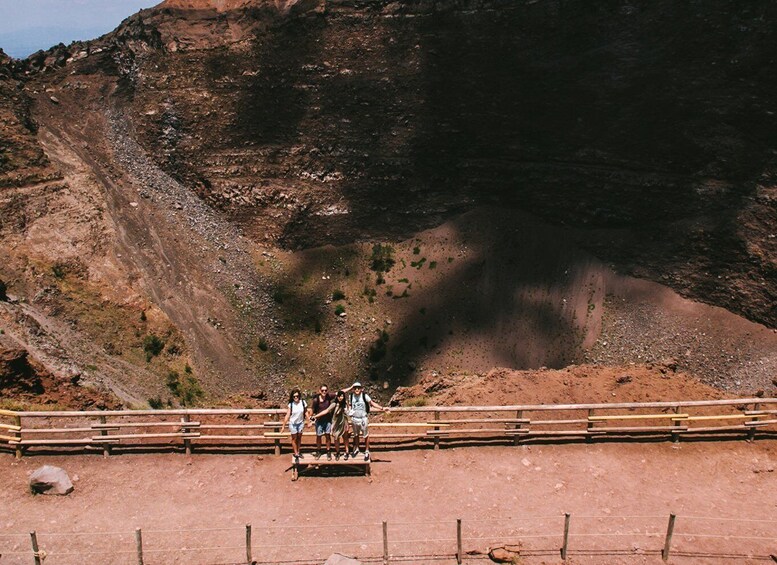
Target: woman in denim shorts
{"x":295,"y":417}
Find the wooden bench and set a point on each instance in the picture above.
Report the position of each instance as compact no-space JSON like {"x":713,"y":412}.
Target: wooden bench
{"x":309,"y":463}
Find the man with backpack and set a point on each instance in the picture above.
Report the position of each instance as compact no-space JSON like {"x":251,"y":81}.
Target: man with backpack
{"x":360,"y":403}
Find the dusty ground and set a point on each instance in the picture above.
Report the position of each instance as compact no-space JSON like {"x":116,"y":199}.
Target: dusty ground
{"x":621,"y":494}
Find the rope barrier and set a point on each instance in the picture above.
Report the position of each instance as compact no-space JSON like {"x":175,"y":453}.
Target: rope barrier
{"x":610,"y":534}
{"x":193,"y":549}
{"x":723,"y":536}
{"x":621,"y":517}
{"x":241,"y":528}
{"x":329,"y":544}
{"x":684,"y":517}
{"x":323,"y":527}
{"x":532,"y":536}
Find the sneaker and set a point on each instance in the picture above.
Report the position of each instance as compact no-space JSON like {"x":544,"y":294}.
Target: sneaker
{"x":337,"y":457}
{"x":355,"y":452}
{"x":316,"y":455}
{"x":328,"y":456}
{"x":366,"y":455}
{"x":295,"y":458}
{"x":346,"y":456}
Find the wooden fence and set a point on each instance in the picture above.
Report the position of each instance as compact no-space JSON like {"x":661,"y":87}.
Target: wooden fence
{"x":260,"y":429}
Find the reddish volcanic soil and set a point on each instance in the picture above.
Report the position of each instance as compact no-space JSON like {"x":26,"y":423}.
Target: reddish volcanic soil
{"x":619,"y":494}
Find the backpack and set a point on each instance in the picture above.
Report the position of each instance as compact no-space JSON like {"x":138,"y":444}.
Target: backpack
{"x":366,"y":404}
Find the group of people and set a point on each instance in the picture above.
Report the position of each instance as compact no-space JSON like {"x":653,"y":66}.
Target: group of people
{"x":334,"y":416}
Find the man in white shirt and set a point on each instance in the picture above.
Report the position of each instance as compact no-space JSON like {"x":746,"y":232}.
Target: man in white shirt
{"x":360,"y":412}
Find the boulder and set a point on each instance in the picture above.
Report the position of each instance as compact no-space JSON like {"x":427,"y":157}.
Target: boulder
{"x":50,"y":480}
{"x":340,"y":559}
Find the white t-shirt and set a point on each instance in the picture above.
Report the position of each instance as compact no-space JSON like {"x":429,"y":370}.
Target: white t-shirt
{"x":297,"y":412}
{"x":359,"y":405}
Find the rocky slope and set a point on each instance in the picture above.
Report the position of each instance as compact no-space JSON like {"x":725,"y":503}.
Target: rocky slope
{"x":210,"y":173}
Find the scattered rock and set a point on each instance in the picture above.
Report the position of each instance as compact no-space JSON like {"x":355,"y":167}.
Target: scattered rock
{"x":50,"y":480}
{"x":505,"y":554}
{"x":622,"y":380}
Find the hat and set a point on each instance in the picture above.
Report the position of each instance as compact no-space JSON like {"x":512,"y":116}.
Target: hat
{"x":357,"y":384}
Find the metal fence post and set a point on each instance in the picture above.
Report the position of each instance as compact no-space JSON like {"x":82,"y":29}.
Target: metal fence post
{"x":677,"y":423}
{"x":385,"y":543}
{"x":139,"y":545}
{"x":35,"y":550}
{"x":751,"y":431}
{"x":518,"y":426}
{"x":668,"y":541}
{"x":565,"y":546}
{"x":249,"y":557}
{"x":104,"y":432}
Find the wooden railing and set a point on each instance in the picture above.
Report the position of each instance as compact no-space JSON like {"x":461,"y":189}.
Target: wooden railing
{"x":426,"y":425}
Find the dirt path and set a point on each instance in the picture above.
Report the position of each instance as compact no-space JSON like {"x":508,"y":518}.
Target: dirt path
{"x":619,"y":496}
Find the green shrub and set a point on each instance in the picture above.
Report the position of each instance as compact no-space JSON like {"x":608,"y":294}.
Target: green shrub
{"x":418,"y":264}
{"x":187,"y":369}
{"x":59,"y":270}
{"x":153,"y":346}
{"x":416,"y":250}
{"x":338,"y":295}
{"x":432,"y":264}
{"x":155,"y":403}
{"x":382,"y":258}
{"x":263,"y":344}
{"x":339,"y":309}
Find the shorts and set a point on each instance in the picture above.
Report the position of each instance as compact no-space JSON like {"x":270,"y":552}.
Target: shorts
{"x":360,"y":427}
{"x":323,"y":427}
{"x":296,"y":428}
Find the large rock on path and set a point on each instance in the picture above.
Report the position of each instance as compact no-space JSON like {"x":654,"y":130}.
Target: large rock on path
{"x":50,"y":480}
{"x":340,"y":559}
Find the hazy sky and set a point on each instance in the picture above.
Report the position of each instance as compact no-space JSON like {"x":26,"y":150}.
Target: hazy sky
{"x":29,"y":25}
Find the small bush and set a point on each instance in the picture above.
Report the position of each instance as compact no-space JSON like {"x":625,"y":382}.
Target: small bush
{"x":173,"y":382}
{"x":338,"y":295}
{"x":418,"y":264}
{"x":155,"y":403}
{"x":382,"y":258}
{"x":416,"y":250}
{"x":3,"y":290}
{"x":59,"y":270}
{"x":432,"y":264}
{"x":143,"y":317}
{"x":263,"y":344}
{"x":153,"y":346}
{"x":339,"y":309}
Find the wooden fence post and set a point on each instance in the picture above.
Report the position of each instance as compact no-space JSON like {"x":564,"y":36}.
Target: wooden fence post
{"x":35,"y":550}
{"x":18,"y":422}
{"x":385,"y":543}
{"x":565,"y":546}
{"x":275,"y":418}
{"x":668,"y":541}
{"x":459,"y":552}
{"x":519,"y":426}
{"x":249,"y":558}
{"x":139,"y":545}
{"x":436,"y":428}
{"x":187,"y":443}
{"x":104,"y":432}
{"x":590,"y":426}
{"x":751,"y":431}
{"x":677,"y":424}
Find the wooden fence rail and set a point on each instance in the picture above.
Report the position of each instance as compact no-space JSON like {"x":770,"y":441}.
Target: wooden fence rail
{"x":108,"y":430}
